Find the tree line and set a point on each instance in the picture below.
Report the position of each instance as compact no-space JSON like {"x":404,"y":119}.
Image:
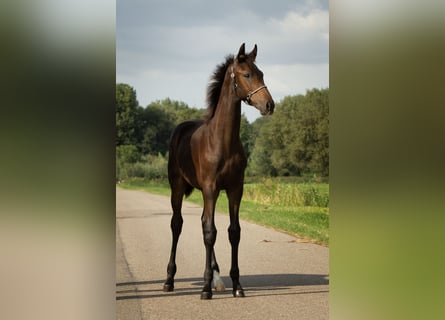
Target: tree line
{"x":292,"y":142}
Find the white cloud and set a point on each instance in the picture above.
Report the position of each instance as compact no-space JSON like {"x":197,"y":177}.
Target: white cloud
{"x":316,"y":23}
{"x":292,"y":79}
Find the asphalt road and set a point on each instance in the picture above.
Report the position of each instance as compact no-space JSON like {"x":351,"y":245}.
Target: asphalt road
{"x":283,"y":277}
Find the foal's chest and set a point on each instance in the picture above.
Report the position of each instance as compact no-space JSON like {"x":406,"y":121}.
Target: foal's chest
{"x":232,"y":168}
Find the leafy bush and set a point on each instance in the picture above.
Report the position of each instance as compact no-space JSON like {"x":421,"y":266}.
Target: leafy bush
{"x":127,"y":153}
{"x":156,"y":167}
{"x":152,"y":168}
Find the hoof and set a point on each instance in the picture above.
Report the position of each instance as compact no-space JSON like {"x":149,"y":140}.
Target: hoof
{"x":217,"y":282}
{"x":219,"y":287}
{"x":239,"y":293}
{"x":206,"y":295}
{"x":168,"y":287}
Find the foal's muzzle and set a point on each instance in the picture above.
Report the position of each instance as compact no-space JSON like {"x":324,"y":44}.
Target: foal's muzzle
{"x":268,"y":110}
{"x":270,"y":106}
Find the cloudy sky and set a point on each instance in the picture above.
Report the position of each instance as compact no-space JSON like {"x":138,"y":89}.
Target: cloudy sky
{"x":169,"y":48}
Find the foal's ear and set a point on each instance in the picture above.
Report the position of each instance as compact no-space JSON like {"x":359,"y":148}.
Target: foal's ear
{"x":241,"y":56}
{"x":252,"y":54}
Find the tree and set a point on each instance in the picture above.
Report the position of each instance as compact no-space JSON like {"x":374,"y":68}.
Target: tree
{"x":247,"y":136}
{"x":177,"y":111}
{"x":295,"y":139}
{"x":160,"y":119}
{"x":158,"y":126}
{"x":128,"y":121}
{"x":259,"y":162}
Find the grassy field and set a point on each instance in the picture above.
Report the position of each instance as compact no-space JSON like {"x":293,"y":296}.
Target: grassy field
{"x":291,"y":205}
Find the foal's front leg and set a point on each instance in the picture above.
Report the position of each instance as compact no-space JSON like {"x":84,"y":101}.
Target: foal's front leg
{"x":209,"y":235}
{"x":218,"y":283}
{"x":234,"y":237}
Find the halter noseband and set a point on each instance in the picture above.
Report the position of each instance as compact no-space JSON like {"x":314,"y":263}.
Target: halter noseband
{"x":250,"y":94}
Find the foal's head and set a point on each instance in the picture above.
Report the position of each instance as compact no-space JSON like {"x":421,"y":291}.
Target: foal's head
{"x":249,"y":83}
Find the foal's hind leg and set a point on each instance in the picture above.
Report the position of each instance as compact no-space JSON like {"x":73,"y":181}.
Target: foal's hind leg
{"x":176,"y":228}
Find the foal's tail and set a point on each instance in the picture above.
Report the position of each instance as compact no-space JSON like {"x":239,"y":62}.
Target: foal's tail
{"x":188,"y":190}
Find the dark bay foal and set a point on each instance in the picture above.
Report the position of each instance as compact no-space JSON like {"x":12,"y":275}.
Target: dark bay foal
{"x":208,"y":155}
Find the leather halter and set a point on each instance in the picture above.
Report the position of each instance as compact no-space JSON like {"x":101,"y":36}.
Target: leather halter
{"x":250,"y":94}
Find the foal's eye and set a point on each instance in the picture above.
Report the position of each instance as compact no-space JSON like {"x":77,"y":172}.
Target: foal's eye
{"x":247,"y":75}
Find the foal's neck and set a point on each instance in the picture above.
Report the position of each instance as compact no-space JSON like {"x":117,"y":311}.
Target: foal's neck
{"x":227,"y":119}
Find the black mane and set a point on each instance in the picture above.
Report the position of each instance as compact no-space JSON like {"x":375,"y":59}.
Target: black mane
{"x":215,"y":86}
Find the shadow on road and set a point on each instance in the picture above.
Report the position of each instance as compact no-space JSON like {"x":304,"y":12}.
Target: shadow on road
{"x":261,"y":285}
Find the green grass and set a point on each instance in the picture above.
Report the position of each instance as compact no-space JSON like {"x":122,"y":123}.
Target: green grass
{"x":298,"y":208}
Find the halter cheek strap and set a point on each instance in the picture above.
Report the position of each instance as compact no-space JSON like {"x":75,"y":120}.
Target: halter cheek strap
{"x":250,"y":94}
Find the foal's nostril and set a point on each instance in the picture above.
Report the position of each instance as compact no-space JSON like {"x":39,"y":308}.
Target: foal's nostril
{"x":270,"y":105}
